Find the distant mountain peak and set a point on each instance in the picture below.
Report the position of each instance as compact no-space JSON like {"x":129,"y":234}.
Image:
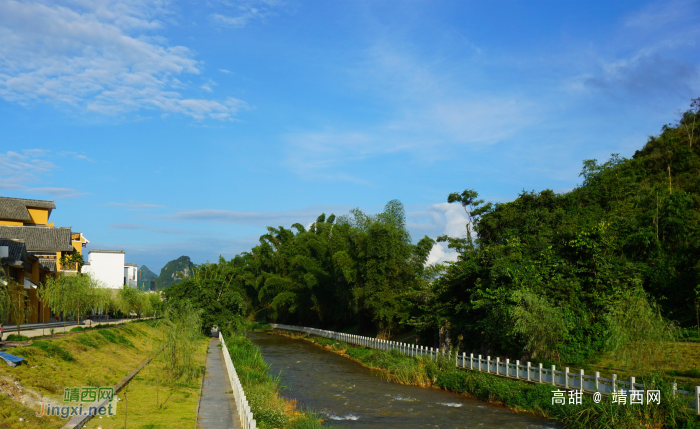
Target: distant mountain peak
{"x":169,"y":273}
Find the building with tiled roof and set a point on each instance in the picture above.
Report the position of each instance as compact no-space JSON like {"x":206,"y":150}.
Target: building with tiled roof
{"x":31,"y":247}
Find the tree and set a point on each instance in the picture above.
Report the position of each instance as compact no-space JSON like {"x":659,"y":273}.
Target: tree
{"x":474,"y":209}
{"x":5,"y":303}
{"x":72,"y":295}
{"x":18,"y":303}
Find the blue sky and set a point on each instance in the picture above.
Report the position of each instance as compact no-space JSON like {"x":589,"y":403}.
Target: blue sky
{"x":185,"y":128}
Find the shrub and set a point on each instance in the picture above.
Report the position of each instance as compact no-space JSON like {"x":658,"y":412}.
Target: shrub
{"x":16,"y":337}
{"x":53,"y":349}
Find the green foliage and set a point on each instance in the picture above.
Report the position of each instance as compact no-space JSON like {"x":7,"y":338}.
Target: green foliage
{"x":114,"y":337}
{"x":632,"y":225}
{"x":74,"y":295}
{"x":637,"y":331}
{"x":174,"y":272}
{"x":16,"y":337}
{"x":541,"y":324}
{"x":180,"y":333}
{"x":77,"y":329}
{"x":52,"y":349}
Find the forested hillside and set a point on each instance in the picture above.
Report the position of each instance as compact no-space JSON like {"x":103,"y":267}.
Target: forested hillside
{"x":547,"y":275}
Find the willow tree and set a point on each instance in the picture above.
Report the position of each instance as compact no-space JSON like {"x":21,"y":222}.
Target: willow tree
{"x":130,"y":299}
{"x":17,"y":296}
{"x":4,"y":297}
{"x":71,"y":295}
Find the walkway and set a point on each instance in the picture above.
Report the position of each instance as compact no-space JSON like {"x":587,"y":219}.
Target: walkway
{"x":217,"y":407}
{"x":37,"y":330}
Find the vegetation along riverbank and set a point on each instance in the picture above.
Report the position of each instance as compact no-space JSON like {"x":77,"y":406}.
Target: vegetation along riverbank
{"x":517,"y":395}
{"x":602,"y":276}
{"x":262,"y":389}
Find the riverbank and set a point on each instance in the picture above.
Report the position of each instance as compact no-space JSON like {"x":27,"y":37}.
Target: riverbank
{"x":100,"y":357}
{"x":262,"y":390}
{"x":516,"y":395}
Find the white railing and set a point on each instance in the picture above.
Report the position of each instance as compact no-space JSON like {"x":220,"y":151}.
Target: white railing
{"x":244,"y":413}
{"x":517,"y":371}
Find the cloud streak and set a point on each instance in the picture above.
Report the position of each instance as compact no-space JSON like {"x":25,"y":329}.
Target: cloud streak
{"x":97,"y":57}
{"x":238,"y":14}
{"x":251,"y":218}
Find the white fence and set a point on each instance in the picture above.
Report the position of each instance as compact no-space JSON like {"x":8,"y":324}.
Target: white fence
{"x":244,"y":414}
{"x":515,"y":370}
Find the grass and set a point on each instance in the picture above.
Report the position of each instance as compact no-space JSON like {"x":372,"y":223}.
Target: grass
{"x":679,"y":362}
{"x":262,"y":390}
{"x":522,"y":396}
{"x":77,"y":360}
{"x":11,"y":412}
{"x":177,"y":400}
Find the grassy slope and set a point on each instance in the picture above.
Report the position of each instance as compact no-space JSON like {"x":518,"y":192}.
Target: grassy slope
{"x":177,"y":401}
{"x":94,"y":358}
{"x":518,"y":395}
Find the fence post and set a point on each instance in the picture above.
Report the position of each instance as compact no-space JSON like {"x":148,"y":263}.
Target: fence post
{"x":697,"y":399}
{"x":507,"y":367}
{"x":540,"y":372}
{"x":632,"y":380}
{"x":517,"y":369}
{"x":566,"y":377}
{"x":464,"y":360}
{"x":581,"y":376}
{"x":471,"y":361}
{"x":614,"y":382}
{"x":479,"y":363}
{"x":528,"y":370}
{"x":597,"y":381}
{"x":554,"y":369}
{"x":488,"y":364}
{"x":674,"y":389}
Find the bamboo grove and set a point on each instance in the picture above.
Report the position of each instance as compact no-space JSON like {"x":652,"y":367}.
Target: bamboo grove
{"x":548,"y":275}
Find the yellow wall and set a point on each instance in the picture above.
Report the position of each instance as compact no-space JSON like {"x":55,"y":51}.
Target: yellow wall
{"x":39,"y":216}
{"x":10,"y":222}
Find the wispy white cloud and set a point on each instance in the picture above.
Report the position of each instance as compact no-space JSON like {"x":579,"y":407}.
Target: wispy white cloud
{"x":642,"y":59}
{"x":240,"y":13}
{"x":97,"y":57}
{"x":134,"y":205}
{"x":56,"y":192}
{"x":139,"y":226}
{"x":252,"y":218}
{"x":20,"y":170}
{"x":428,"y":107}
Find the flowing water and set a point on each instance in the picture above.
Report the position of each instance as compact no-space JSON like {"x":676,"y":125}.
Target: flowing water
{"x":352,"y":396}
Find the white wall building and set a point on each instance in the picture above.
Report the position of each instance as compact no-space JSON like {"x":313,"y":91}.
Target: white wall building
{"x":130,"y":274}
{"x":107,"y":267}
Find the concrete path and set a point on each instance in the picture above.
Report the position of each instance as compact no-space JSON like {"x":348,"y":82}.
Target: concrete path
{"x":217,"y":408}
{"x":38,"y":331}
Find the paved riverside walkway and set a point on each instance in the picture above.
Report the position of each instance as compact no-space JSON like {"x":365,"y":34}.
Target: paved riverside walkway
{"x":217,"y":408}
{"x":36,"y":330}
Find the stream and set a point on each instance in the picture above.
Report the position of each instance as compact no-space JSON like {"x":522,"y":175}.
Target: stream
{"x":349,"y":395}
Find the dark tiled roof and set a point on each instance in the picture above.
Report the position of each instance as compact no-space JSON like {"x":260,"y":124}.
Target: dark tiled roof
{"x":40,"y":238}
{"x":48,"y":264}
{"x":16,"y":208}
{"x":17,"y":249}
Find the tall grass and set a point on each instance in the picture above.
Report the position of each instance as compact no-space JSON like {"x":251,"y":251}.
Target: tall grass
{"x":181,"y":335}
{"x":638,"y":334}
